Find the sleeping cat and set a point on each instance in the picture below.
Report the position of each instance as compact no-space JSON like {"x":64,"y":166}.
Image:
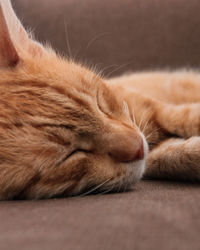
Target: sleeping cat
{"x":66,"y":131}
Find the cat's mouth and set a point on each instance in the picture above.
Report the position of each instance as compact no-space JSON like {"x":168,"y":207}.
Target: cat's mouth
{"x":132,"y":173}
{"x":116,"y":185}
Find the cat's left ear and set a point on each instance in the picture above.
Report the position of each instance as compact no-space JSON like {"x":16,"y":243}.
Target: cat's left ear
{"x":12,"y":28}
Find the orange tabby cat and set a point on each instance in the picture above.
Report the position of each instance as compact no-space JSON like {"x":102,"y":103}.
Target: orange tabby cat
{"x":65,"y":131}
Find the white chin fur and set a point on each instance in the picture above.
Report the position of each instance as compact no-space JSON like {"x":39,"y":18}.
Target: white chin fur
{"x":138,"y":167}
{"x":135,"y":171}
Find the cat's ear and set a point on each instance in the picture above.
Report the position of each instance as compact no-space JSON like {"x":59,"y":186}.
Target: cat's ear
{"x":14,"y":40}
{"x":8,"y":53}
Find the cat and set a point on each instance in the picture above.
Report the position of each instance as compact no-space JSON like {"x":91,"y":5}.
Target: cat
{"x":65,"y":131}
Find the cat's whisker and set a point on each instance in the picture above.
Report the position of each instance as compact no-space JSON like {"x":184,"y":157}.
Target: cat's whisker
{"x":128,"y":183}
{"x":141,"y":120}
{"x":118,"y":68}
{"x":93,"y":39}
{"x":146,"y":124}
{"x":107,"y":191}
{"x":133,"y":116}
{"x":126,"y":109}
{"x":144,"y":128}
{"x":67,"y":40}
{"x":95,"y":188}
{"x":125,"y":186}
{"x":101,"y":72}
{"x":120,"y":186}
{"x":150,"y":134}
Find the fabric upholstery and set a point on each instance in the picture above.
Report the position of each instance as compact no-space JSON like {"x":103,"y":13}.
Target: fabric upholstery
{"x":156,"y":215}
{"x":130,"y":34}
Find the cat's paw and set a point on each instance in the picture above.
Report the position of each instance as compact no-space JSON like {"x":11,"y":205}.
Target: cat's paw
{"x":191,"y":158}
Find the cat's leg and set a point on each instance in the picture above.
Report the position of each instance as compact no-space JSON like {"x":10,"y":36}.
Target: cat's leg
{"x":176,"y":159}
{"x":182,"y":120}
{"x":179,"y":119}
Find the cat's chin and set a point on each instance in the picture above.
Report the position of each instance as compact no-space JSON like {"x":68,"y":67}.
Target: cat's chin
{"x":134,"y":172}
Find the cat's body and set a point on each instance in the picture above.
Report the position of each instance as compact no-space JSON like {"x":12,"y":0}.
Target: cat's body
{"x":65,"y":131}
{"x":166,"y":106}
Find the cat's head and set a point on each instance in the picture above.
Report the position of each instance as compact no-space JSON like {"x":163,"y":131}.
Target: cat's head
{"x":62,"y":130}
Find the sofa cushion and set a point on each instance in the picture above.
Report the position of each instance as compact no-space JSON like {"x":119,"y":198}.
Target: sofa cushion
{"x":156,"y":215}
{"x":119,"y":35}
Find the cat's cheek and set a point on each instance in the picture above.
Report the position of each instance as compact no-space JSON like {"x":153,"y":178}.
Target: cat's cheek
{"x":107,"y":175}
{"x":60,"y":181}
{"x":101,"y":171}
{"x":84,"y":173}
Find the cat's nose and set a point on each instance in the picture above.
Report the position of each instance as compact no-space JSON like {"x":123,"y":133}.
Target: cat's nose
{"x":131,"y":152}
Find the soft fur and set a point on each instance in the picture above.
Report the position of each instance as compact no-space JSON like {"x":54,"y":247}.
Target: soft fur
{"x":66,"y":131}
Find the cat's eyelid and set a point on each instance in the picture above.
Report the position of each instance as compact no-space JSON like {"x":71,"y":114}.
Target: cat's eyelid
{"x":104,"y":111}
{"x":97,"y":102}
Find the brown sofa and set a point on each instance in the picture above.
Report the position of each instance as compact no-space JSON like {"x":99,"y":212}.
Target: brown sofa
{"x":116,"y":36}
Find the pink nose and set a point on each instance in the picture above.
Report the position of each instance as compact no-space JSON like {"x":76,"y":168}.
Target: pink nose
{"x":129,"y":153}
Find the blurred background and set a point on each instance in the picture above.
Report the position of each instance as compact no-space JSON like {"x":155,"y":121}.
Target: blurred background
{"x":118,"y":35}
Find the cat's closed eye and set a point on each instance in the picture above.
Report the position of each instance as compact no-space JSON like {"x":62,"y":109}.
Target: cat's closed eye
{"x":107,"y":102}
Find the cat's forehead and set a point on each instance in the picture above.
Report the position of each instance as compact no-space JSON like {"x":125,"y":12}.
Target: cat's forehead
{"x":60,"y":72}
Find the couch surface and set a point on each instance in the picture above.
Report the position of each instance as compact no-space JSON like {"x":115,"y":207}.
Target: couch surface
{"x":156,"y":215}
{"x":116,"y":36}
